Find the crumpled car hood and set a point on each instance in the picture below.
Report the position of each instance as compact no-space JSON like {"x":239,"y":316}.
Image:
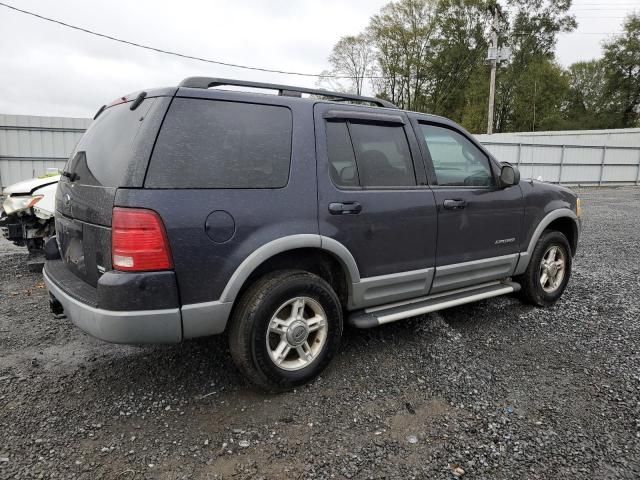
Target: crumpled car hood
{"x":28,"y":186}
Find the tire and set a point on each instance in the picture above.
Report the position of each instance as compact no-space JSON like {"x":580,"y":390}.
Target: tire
{"x":533,"y":291}
{"x":264,"y":318}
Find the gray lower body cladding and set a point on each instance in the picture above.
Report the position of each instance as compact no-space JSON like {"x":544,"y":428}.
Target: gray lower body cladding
{"x":140,"y":326}
{"x":133,"y":307}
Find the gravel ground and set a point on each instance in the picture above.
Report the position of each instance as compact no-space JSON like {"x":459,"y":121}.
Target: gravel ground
{"x":490,"y":390}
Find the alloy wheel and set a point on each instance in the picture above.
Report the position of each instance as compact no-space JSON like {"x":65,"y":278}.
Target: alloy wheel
{"x":296,"y":334}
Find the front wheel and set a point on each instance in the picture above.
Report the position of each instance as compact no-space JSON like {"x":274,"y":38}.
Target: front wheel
{"x":548,"y":271}
{"x":285,"y":329}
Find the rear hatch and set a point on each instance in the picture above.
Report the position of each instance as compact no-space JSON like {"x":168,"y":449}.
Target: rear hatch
{"x":113,"y":153}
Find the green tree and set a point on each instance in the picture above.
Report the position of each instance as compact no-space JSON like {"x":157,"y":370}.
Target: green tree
{"x":622,"y":65}
{"x":539,"y":95}
{"x":427,"y":50}
{"x":530,"y":28}
{"x":474,"y":113}
{"x":402,"y":33}
{"x":587,"y":106}
{"x":459,"y":48}
{"x":428,"y":56}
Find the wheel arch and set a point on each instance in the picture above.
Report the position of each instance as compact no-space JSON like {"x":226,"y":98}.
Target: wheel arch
{"x":561,"y":219}
{"x":569,"y":228}
{"x":321,"y":255}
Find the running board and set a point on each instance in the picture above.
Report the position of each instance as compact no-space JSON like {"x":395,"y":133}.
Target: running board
{"x":374,"y":316}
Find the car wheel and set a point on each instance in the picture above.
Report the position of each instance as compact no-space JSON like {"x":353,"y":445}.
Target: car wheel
{"x":548,"y":271}
{"x":285,"y":329}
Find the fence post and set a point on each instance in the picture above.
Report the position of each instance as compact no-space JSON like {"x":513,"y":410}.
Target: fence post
{"x":638,"y":174}
{"x":561,"y":163}
{"x":519,"y":152}
{"x":604,"y":155}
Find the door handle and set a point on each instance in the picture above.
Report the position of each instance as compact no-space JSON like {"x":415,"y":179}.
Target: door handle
{"x":345,"y":208}
{"x":454,"y":204}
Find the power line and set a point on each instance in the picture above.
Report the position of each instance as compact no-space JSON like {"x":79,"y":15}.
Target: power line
{"x":227,"y":64}
{"x":608,"y":9}
{"x":528,"y":34}
{"x":169,"y":52}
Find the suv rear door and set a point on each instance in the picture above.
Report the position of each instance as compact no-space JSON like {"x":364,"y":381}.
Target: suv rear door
{"x":373,"y":199}
{"x":479,"y":223}
{"x":113,"y":153}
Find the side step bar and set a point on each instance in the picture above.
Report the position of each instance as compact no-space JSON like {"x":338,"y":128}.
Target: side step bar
{"x":374,"y":316}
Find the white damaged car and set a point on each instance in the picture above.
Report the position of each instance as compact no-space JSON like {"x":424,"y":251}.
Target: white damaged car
{"x":26,"y":218}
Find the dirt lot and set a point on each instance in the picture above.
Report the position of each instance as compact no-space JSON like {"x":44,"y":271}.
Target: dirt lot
{"x":497,"y":389}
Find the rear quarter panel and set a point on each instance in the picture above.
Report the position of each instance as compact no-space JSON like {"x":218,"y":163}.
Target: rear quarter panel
{"x":204,"y":267}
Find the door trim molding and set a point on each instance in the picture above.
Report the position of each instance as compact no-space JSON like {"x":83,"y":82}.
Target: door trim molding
{"x":390,"y":288}
{"x":458,"y":275}
{"x":384,"y":289}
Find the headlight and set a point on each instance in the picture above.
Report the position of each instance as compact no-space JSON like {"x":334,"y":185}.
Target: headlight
{"x":15,"y":204}
{"x":578,"y":208}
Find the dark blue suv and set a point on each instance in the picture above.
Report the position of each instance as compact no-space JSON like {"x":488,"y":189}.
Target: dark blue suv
{"x":192,"y":211}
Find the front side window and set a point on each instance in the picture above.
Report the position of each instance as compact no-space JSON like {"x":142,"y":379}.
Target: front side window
{"x":456,"y":160}
{"x":217,"y":144}
{"x":369,"y":155}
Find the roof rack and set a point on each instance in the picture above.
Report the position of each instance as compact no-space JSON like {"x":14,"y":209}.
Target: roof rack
{"x":283,"y":90}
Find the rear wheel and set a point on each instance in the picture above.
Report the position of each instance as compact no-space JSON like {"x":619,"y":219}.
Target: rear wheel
{"x":285,"y":329}
{"x":549,"y":270}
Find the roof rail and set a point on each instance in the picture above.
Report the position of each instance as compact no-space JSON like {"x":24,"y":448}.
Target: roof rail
{"x":283,"y":90}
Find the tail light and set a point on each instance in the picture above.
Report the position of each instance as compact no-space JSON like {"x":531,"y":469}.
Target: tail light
{"x":139,"y":241}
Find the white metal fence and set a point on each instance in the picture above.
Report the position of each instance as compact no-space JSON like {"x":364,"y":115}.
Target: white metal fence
{"x":29,"y":145}
{"x":572,"y":164}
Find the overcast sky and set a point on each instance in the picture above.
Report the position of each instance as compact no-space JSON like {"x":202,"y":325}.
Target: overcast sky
{"x":46,"y":69}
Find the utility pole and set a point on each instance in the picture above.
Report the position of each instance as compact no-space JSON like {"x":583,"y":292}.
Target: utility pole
{"x":494,"y":64}
{"x":535,"y":94}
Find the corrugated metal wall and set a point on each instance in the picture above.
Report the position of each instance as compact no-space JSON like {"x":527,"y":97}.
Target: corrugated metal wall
{"x":595,"y":157}
{"x":29,"y":145}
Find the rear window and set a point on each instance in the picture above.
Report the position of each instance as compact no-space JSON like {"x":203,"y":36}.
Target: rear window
{"x":104,"y":154}
{"x":218,"y":144}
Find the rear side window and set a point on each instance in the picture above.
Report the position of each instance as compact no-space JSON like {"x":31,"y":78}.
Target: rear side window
{"x":217,"y":144}
{"x":105,"y":152}
{"x":381,"y":153}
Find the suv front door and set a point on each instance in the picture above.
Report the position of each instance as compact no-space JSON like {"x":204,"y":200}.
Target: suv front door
{"x":374,"y":201}
{"x":479,"y":223}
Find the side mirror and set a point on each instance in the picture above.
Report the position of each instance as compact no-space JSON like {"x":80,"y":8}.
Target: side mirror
{"x":509,"y":175}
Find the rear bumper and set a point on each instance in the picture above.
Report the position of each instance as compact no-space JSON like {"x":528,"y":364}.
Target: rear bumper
{"x":127,"y":326}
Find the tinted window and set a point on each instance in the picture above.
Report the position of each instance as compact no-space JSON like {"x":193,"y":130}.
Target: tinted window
{"x":342,"y":161}
{"x":456,"y":160}
{"x":214,"y":144}
{"x":105,"y":152}
{"x":382,"y":155}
